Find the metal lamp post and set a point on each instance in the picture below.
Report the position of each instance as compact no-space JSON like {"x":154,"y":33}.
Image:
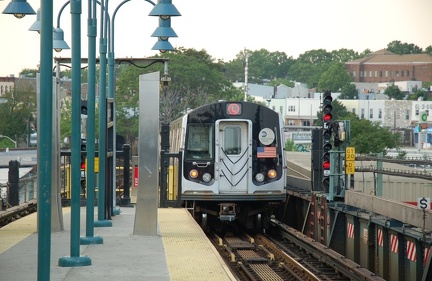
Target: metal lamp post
{"x":163,"y":31}
{"x":58,"y":44}
{"x":164,"y":9}
{"x":45,"y":133}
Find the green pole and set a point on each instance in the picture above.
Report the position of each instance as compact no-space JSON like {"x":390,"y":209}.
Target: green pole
{"x":379,"y":191}
{"x":74,"y":259}
{"x":102,"y":221}
{"x":45,"y":142}
{"x":91,"y":105}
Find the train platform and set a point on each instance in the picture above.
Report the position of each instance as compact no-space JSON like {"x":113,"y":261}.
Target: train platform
{"x":180,"y":251}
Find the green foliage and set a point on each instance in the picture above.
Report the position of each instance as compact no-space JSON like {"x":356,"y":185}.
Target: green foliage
{"x":393,"y":92}
{"x":400,"y":48}
{"x":401,"y":153}
{"x":370,"y":137}
{"x":418,"y":93}
{"x":428,"y":50}
{"x":289,"y":145}
{"x":196,"y":77}
{"x":65,"y":119}
{"x":311,"y":65}
{"x":334,"y":78}
{"x":6,"y":143}
{"x":16,"y":112}
{"x":27,"y":72}
{"x":262,"y":65}
{"x":349,"y":91}
{"x":281,"y":81}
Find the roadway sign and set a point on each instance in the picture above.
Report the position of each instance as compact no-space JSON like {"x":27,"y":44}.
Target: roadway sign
{"x":350,"y":154}
{"x":349,"y":167}
{"x":423,"y":203}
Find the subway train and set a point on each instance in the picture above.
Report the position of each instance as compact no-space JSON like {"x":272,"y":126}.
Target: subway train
{"x":233,"y":162}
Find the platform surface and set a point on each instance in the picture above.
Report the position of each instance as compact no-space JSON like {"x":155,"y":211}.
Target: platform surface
{"x":180,"y":251}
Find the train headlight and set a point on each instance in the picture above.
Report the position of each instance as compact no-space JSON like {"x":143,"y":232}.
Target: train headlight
{"x":259,"y":177}
{"x":272,"y":174}
{"x":206,"y":177}
{"x":193,"y":174}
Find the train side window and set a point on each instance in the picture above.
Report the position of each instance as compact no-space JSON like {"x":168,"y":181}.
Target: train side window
{"x":199,"y":141}
{"x":232,"y":140}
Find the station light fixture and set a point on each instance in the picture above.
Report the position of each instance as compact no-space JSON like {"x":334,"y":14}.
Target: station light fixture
{"x":19,"y":8}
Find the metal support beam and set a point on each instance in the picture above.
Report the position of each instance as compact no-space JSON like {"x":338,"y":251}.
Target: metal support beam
{"x":148,"y":164}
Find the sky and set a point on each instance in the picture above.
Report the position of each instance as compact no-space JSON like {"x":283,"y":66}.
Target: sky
{"x":225,"y":28}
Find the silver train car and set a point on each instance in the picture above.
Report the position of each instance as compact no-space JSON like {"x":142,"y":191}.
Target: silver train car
{"x":233,"y":161}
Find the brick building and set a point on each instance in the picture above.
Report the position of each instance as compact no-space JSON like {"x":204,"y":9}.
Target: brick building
{"x":384,"y":66}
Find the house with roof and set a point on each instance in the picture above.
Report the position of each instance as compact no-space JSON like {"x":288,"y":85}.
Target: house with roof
{"x":384,"y":66}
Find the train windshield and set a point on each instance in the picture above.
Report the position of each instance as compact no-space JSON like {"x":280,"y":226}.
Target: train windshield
{"x":232,"y":140}
{"x":199,"y":142}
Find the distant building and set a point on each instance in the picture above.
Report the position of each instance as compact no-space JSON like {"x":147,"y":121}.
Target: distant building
{"x":6,"y":84}
{"x":265,"y":92}
{"x":384,"y":66}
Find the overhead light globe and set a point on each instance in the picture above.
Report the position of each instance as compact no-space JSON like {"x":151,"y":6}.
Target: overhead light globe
{"x":163,"y":46}
{"x":165,"y":9}
{"x":19,"y":8}
{"x":36,"y":26}
{"x":58,"y":40}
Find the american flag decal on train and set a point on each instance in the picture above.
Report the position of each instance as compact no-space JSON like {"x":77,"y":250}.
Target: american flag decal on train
{"x":266,"y":152}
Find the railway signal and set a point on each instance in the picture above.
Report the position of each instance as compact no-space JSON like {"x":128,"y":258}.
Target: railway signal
{"x":327,"y":108}
{"x":83,"y":107}
{"x":327,"y":134}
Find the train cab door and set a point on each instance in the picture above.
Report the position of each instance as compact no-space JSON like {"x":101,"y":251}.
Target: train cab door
{"x":233,"y":148}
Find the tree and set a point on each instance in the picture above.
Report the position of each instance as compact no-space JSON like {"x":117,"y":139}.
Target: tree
{"x":343,"y":55}
{"x":370,"y":137}
{"x":262,"y":65}
{"x":400,"y":48}
{"x":334,"y":78}
{"x":393,"y":92}
{"x":196,"y":79}
{"x":17,"y":112}
{"x":428,"y":50}
{"x":348,"y":92}
{"x":365,"y":136}
{"x":310,"y":66}
{"x":281,"y":81}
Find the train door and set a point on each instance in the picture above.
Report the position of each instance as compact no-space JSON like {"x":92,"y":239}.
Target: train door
{"x":233,"y":150}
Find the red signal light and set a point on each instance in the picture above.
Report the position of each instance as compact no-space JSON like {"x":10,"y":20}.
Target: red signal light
{"x":327,"y":117}
{"x":326,"y":165}
{"x":83,"y":165}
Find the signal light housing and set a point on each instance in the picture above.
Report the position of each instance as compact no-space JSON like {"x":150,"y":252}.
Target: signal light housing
{"x":83,"y":162}
{"x":83,"y":107}
{"x":327,"y":135}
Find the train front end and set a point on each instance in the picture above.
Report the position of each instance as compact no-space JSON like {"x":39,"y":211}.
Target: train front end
{"x":233,"y":159}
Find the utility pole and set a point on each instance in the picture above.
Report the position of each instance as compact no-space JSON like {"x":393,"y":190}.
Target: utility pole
{"x":246,"y":75}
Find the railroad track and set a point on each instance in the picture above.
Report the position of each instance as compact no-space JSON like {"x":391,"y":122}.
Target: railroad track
{"x":322,"y":261}
{"x":284,"y":254}
{"x":17,"y":212}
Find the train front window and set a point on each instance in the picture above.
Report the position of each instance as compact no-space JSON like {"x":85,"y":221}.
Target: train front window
{"x":199,"y":142}
{"x":232,"y":140}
